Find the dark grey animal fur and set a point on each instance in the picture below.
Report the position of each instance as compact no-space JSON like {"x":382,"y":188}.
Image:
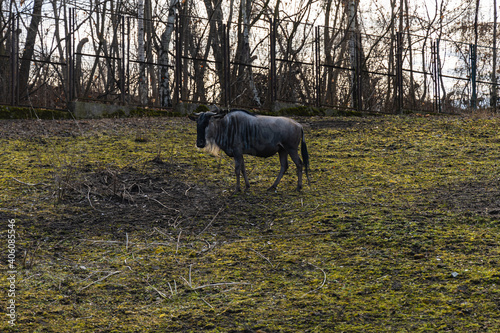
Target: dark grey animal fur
{"x":240,"y":132}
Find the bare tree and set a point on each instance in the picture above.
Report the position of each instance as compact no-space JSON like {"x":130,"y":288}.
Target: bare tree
{"x":294,"y":39}
{"x":361,"y":85}
{"x":354,"y":49}
{"x":148,"y":31}
{"x":215,"y":17}
{"x":5,"y":49}
{"x":331,"y":43}
{"x":244,"y":75}
{"x":166,"y":38}
{"x":474,"y":57}
{"x":29,"y":47}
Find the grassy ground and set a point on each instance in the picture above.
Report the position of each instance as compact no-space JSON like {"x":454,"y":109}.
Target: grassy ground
{"x":124,"y":226}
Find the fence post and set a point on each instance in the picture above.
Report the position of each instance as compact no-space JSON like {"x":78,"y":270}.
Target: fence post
{"x":317,"y":67}
{"x":359,"y":68}
{"x":128,"y":53}
{"x":122,"y":62}
{"x":436,"y":74}
{"x":226,"y":63}
{"x":473,"y":60}
{"x":70,"y":52}
{"x":272,"y":67}
{"x":353,"y":59}
{"x":178,"y":61}
{"x":14,"y":56}
{"x":356,"y":60}
{"x":399,"y":72}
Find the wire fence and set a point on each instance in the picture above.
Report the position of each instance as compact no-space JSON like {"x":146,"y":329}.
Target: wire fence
{"x":209,"y":62}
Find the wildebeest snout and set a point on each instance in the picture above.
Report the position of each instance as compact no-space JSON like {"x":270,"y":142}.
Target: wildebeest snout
{"x":201,"y":143}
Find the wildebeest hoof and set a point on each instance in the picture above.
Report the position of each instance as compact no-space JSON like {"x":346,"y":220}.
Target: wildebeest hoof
{"x":272,"y":189}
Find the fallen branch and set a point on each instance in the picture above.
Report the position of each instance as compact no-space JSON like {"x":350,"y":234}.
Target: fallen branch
{"x":90,"y":201}
{"x":173,"y":291}
{"x":28,"y":184}
{"x":210,"y":223}
{"x":99,"y":241}
{"x":159,"y":292}
{"x":178,"y":240}
{"x":209,"y":246}
{"x":178,"y":211}
{"x":99,"y":280}
{"x":263,"y":257}
{"x":161,"y":232}
{"x":219,"y":284}
{"x":322,"y":284}
{"x":207,"y":303}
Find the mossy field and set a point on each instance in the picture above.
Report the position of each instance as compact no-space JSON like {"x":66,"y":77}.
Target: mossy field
{"x":123,"y":225}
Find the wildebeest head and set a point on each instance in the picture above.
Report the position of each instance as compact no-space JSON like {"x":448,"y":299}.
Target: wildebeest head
{"x":202,"y":120}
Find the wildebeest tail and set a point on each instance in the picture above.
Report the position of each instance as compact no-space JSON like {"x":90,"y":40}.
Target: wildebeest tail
{"x":305,"y":155}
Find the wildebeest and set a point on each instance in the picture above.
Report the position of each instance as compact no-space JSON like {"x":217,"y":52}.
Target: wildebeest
{"x":240,"y":132}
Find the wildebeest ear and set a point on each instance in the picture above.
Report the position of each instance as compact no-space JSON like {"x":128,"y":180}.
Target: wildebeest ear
{"x":194,"y":117}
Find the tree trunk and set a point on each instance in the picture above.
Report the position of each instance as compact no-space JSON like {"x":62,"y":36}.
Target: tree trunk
{"x":215,"y":37}
{"x":353,"y":54}
{"x":411,"y":92}
{"x":331,"y":75}
{"x":474,"y":58}
{"x":29,"y":47}
{"x":148,"y":30}
{"x":166,"y":38}
{"x":245,"y":74}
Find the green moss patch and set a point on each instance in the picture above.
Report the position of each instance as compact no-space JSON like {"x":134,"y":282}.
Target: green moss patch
{"x":15,"y":112}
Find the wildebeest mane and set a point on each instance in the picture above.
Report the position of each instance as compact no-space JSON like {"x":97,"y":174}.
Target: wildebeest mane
{"x":241,"y":110}
{"x":234,"y":130}
{"x":223,"y":112}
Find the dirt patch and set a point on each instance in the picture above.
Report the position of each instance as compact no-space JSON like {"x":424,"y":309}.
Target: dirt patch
{"x":20,"y":129}
{"x":124,"y":200}
{"x":474,"y":197}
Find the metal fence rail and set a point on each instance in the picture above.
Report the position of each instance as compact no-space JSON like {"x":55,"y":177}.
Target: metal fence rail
{"x":319,"y":66}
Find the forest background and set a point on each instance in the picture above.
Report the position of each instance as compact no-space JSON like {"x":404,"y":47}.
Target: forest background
{"x":378,"y":56}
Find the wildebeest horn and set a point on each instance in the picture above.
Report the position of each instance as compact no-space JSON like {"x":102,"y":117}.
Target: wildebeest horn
{"x":210,"y":113}
{"x":195,"y":115}
{"x":215,"y":108}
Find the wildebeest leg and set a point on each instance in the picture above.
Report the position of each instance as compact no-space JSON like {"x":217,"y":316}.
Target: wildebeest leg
{"x":244,"y":172}
{"x":298,"y":162}
{"x":284,"y":166}
{"x":239,"y":165}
